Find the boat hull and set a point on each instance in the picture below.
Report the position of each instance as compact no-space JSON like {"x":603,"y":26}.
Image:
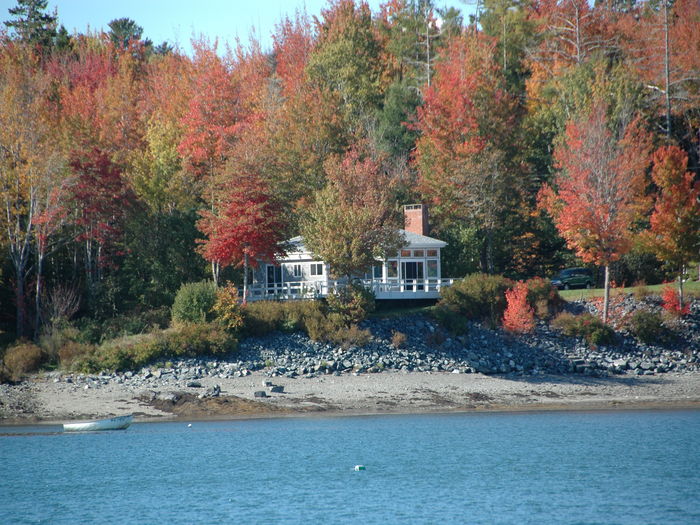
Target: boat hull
{"x":114,"y":423}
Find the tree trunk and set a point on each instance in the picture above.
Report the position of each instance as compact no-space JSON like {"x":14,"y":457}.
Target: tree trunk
{"x":606,"y":297}
{"x":490,"y":266}
{"x":680,"y":289}
{"x":19,"y":300}
{"x":215,"y":269}
{"x":245,"y":278}
{"x":37,"y":295}
{"x":667,"y":70}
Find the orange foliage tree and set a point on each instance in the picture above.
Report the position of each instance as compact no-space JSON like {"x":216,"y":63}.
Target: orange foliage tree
{"x":599,"y":189}
{"x":675,"y":222}
{"x":519,"y":317}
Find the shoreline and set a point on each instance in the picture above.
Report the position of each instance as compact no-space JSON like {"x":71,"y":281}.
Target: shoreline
{"x":43,"y":401}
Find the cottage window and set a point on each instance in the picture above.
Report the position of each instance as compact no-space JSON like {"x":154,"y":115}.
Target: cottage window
{"x":432,"y":253}
{"x":418,"y":253}
{"x":405,"y":253}
{"x":432,"y":268}
{"x":392,"y":269}
{"x":377,"y":272}
{"x":317,"y":269}
{"x":296,"y":270}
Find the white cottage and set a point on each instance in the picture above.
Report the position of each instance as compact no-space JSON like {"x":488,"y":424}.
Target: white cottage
{"x":413,"y":273}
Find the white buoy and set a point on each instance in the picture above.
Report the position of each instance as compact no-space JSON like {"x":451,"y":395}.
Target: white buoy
{"x":360,"y":467}
{"x":189,"y":425}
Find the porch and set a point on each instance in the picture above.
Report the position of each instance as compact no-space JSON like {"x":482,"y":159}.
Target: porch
{"x":383,"y":289}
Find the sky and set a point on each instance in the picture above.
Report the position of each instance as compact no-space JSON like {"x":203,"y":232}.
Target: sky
{"x":176,"y":21}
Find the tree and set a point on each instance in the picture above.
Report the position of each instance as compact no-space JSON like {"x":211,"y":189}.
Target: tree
{"x":674,"y":235}
{"x":599,"y":189}
{"x":345,"y":58}
{"x":101,"y":200}
{"x":31,"y":164}
{"x":351,"y":222}
{"x":247,"y":230}
{"x":32,"y":24}
{"x":123,"y":31}
{"x":467,"y":122}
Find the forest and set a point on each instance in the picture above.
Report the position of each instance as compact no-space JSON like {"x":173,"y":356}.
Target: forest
{"x":542,"y":134}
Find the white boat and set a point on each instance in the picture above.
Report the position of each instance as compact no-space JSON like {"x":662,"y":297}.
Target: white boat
{"x":113,"y":423}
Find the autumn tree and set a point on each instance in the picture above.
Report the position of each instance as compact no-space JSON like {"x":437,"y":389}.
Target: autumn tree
{"x":351,"y":222}
{"x":598,"y":189}
{"x":674,"y":235}
{"x":101,"y":200}
{"x":31,"y":164}
{"x":248,"y":227}
{"x":466,"y":123}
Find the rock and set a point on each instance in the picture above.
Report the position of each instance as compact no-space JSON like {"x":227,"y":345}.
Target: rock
{"x":277,"y":389}
{"x":259,"y":393}
{"x":193,"y":384}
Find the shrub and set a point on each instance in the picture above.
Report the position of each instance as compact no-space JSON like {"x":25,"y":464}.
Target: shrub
{"x":641,"y":291}
{"x":478,"y":296}
{"x":450,"y":319}
{"x":196,"y":339}
{"x":72,"y":352}
{"x":351,"y":336}
{"x":263,"y":317}
{"x":592,"y":329}
{"x":672,"y":303}
{"x":185,"y":340}
{"x":227,"y":309}
{"x":519,"y":317}
{"x":543,"y":297}
{"x":22,"y":359}
{"x":194,"y":302}
{"x":398,"y":339}
{"x":352,"y":302}
{"x":648,"y":327}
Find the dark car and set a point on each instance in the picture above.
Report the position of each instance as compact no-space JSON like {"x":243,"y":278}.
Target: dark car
{"x":573,"y":278}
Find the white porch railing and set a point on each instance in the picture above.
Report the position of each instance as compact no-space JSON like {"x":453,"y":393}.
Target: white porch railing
{"x":390,"y":289}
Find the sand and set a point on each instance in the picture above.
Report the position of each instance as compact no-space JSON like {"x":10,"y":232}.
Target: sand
{"x":43,"y":400}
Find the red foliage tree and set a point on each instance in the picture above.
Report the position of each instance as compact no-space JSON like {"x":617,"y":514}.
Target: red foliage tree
{"x":101,"y":200}
{"x":519,"y":317}
{"x":600,"y":189}
{"x":672,"y":302}
{"x":675,"y":222}
{"x":248,"y":228}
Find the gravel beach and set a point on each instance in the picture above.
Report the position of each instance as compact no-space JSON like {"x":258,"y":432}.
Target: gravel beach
{"x":46,"y":399}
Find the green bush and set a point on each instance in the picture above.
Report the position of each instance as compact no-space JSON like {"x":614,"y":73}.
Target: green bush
{"x":592,"y":329}
{"x":478,"y":296}
{"x":264,"y":317}
{"x":133,"y":352}
{"x":543,"y":297}
{"x":94,"y":331}
{"x":22,"y":359}
{"x":648,"y":327}
{"x":450,"y":319}
{"x":352,"y":302}
{"x":194,"y":302}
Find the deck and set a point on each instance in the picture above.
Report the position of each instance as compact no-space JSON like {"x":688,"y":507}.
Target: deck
{"x":392,"y":289}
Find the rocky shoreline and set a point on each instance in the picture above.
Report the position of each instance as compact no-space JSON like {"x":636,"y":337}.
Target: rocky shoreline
{"x":425,"y":350}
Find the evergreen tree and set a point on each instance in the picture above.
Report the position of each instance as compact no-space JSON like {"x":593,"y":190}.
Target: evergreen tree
{"x":32,"y":24}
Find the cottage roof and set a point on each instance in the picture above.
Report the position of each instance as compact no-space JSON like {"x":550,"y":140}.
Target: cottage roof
{"x":413,"y":240}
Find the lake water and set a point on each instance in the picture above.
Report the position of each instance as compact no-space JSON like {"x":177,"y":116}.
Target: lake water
{"x":612,"y":468}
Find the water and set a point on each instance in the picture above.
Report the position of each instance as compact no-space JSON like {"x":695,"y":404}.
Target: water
{"x":569,"y":468}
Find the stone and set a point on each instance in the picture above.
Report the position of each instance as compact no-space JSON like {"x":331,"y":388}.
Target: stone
{"x":259,"y":393}
{"x":193,"y":384}
{"x":277,"y":389}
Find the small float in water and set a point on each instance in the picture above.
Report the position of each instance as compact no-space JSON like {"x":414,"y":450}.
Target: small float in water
{"x":360,"y":467}
{"x":113,"y":423}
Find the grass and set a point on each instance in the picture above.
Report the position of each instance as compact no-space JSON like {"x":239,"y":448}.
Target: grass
{"x":390,"y":309}
{"x":689,"y":288}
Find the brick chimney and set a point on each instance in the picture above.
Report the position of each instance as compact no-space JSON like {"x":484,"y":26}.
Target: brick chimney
{"x":416,"y":218}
